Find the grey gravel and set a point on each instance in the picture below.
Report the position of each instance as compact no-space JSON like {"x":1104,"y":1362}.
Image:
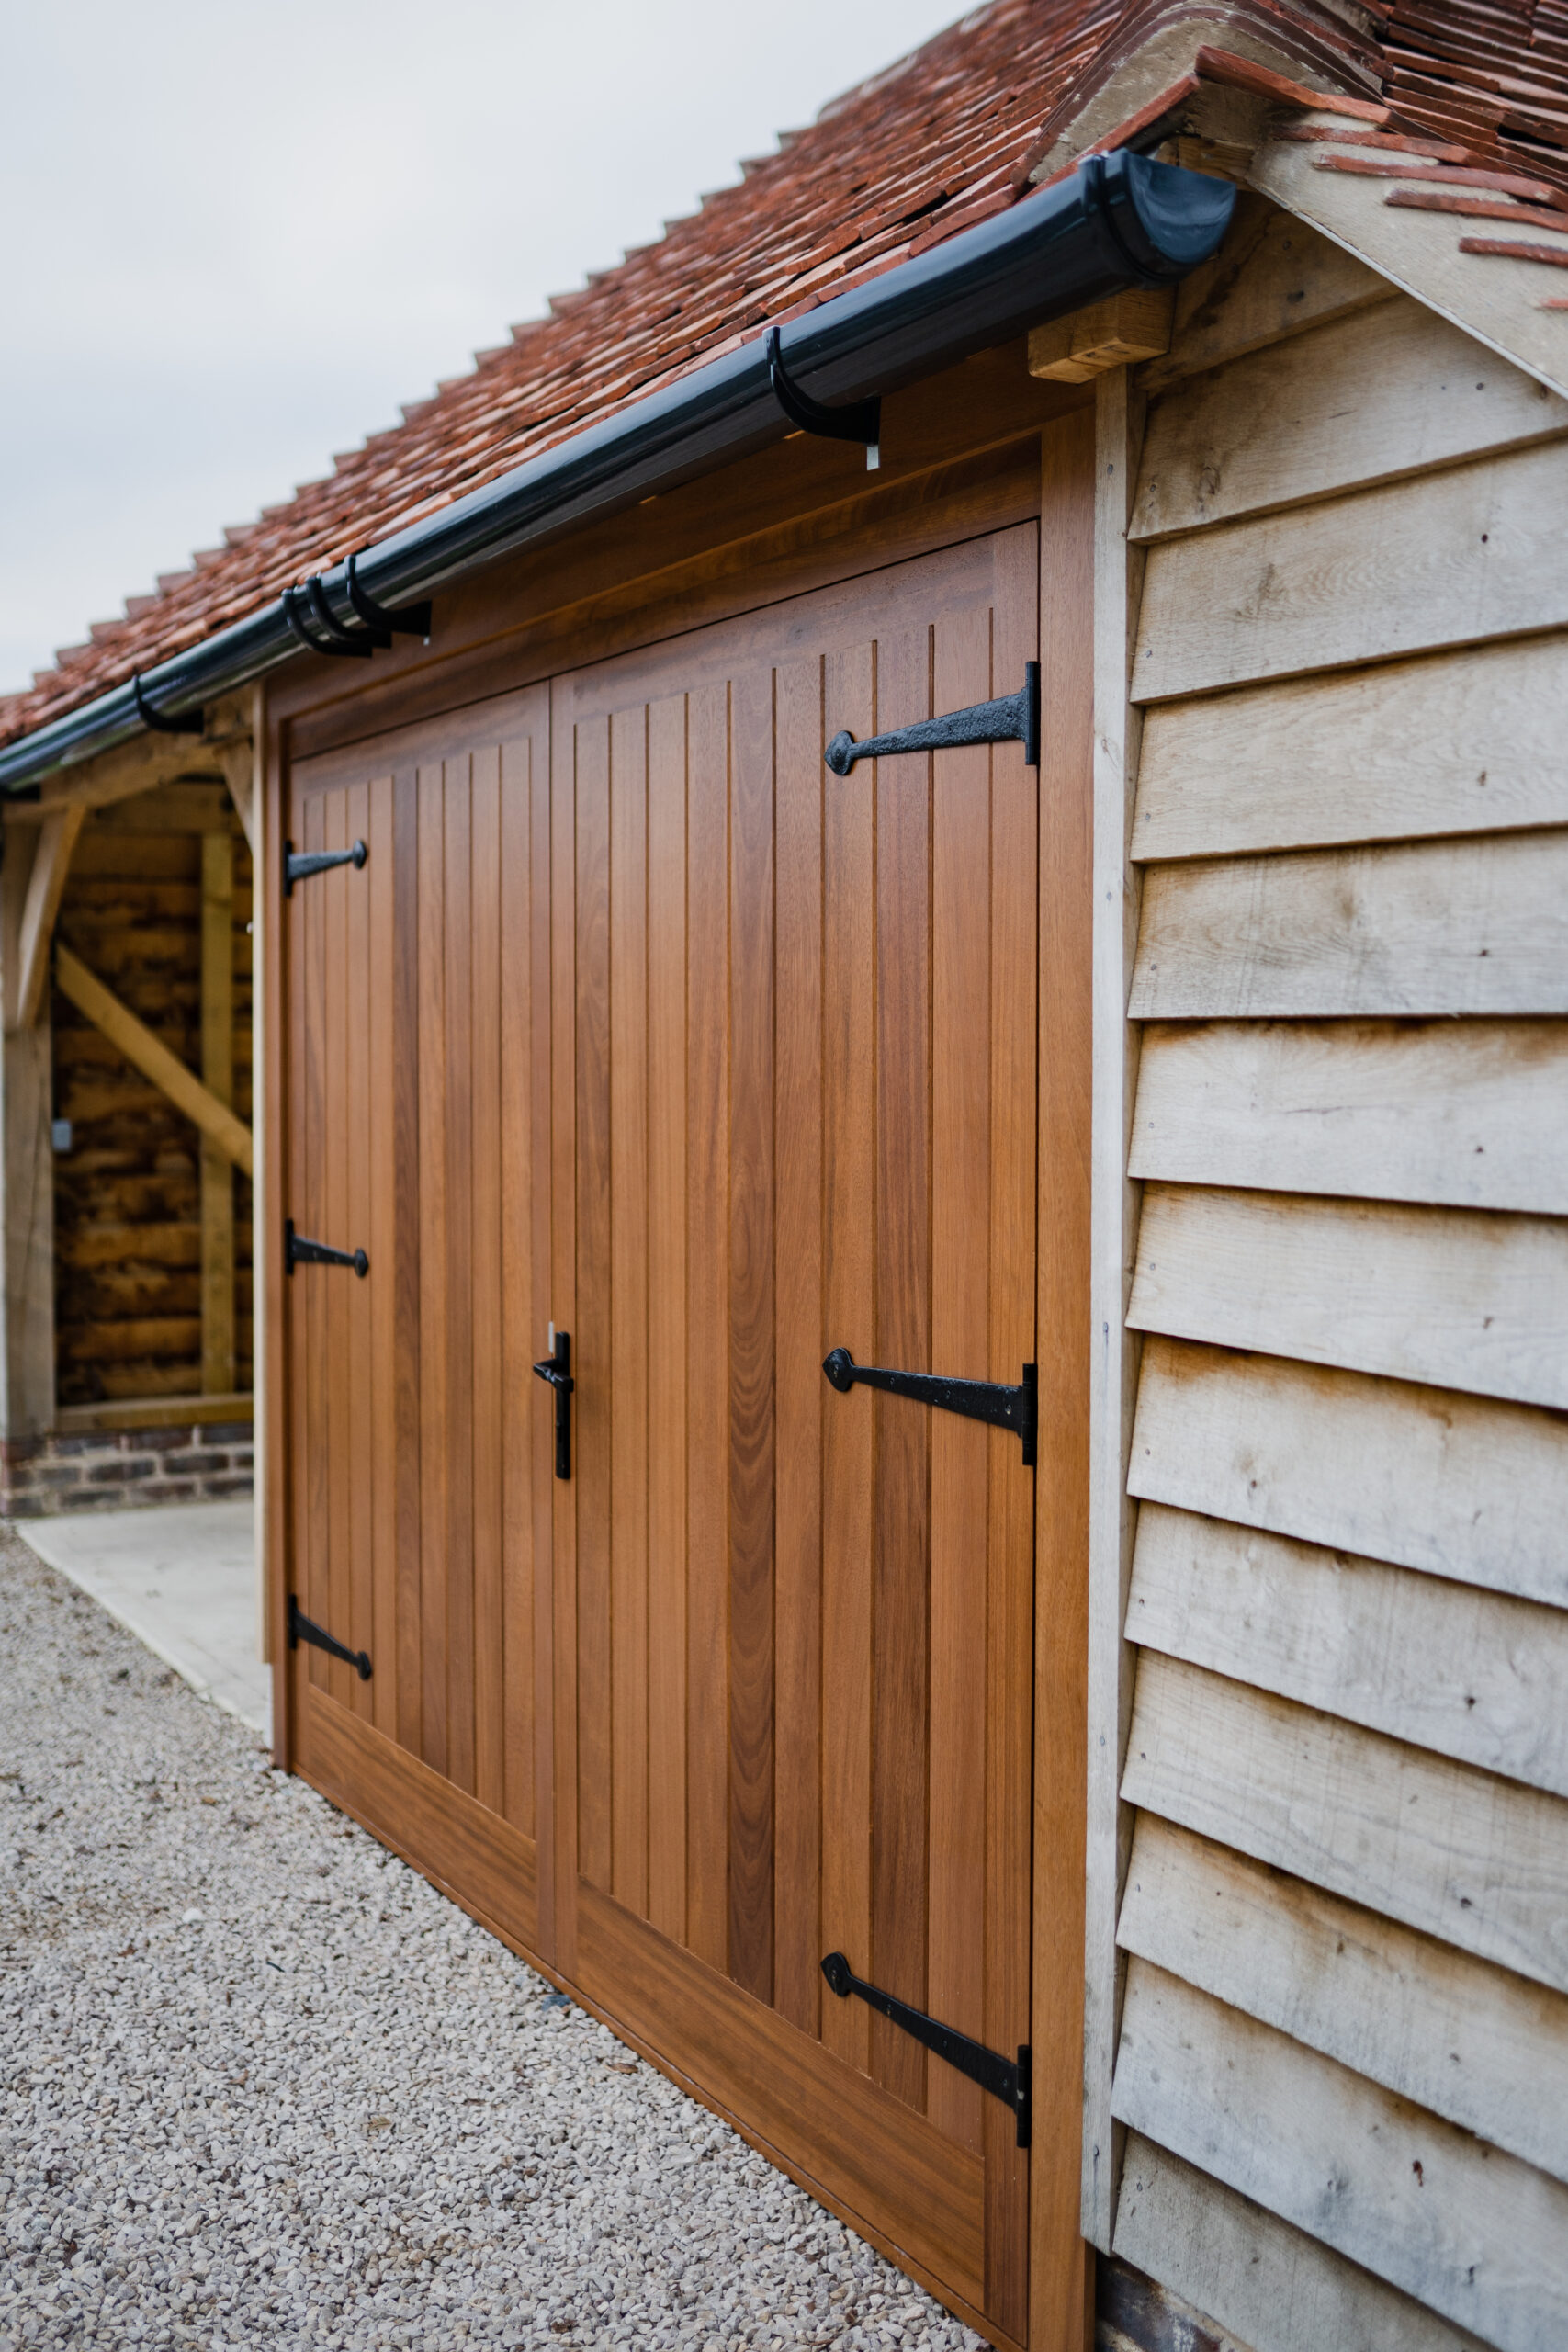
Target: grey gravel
{"x":259,"y":2084}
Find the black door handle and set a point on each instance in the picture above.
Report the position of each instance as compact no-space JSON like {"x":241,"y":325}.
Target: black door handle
{"x":557,"y":1370}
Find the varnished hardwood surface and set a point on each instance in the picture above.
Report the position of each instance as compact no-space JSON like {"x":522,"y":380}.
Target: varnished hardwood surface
{"x":648,"y":1025}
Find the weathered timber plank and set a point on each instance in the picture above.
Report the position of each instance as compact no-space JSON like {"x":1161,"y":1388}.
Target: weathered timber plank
{"x":1271,"y":278}
{"x":1468,"y":1674}
{"x":1419,"y":251}
{"x":1454,"y":1852}
{"x":1391,"y":391}
{"x":1470,"y":1114}
{"x":1462,"y":742}
{"x":145,"y":1052}
{"x":1451,"y":1485}
{"x":1425,"y":927}
{"x":1476,"y":2044}
{"x":1450,"y":559}
{"x":1474,"y":2234}
{"x":1278,"y":2289}
{"x":1457,"y":1298}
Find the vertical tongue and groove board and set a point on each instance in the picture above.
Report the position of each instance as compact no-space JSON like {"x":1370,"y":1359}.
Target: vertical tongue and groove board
{"x":798,"y":1012}
{"x":418,"y":1135}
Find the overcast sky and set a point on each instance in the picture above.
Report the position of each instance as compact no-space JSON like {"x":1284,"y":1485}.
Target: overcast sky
{"x":237,"y":239}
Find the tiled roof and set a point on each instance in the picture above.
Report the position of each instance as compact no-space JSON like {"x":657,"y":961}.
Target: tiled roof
{"x":929,"y":147}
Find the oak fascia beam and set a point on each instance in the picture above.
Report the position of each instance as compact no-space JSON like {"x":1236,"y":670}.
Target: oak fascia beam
{"x":153,"y":1058}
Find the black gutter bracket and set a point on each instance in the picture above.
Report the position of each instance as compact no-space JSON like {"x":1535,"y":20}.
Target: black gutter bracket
{"x":340,"y":642}
{"x":856,"y":421}
{"x":159,"y":721}
{"x":335,"y":636}
{"x":414,"y":620}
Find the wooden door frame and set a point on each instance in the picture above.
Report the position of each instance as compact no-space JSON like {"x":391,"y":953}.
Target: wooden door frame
{"x":1061,"y":2265}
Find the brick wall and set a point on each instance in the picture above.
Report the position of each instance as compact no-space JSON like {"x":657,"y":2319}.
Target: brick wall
{"x":107,"y":1469}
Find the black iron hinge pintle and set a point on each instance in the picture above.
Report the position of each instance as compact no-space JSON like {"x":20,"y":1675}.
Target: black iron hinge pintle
{"x":1011,"y":718}
{"x":298,"y":863}
{"x":297,"y":1251}
{"x":855,"y":420}
{"x":1009,"y":2079}
{"x":301,"y":1629}
{"x":977,"y":1400}
{"x":556,"y":1370}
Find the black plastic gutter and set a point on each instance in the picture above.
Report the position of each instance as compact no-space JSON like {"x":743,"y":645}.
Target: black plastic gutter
{"x":1118,"y":221}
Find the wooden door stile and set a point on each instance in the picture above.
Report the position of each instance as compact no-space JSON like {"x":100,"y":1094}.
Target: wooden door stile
{"x":453,"y":1140}
{"x":355,"y":1298}
{"x":750,"y":1403}
{"x":592,"y":1362}
{"x":962,"y":1140}
{"x":666,"y":1229}
{"x":385,"y":1178}
{"x":407,"y":1290}
{"x":900,"y":1564}
{"x":436,"y":1464}
{"x":707,"y":1327}
{"x":485,"y":1400}
{"x":799,"y":1302}
{"x":849,"y":1290}
{"x":558,"y":1907}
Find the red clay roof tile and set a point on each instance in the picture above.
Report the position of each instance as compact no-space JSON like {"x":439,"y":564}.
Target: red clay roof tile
{"x":906,"y":157}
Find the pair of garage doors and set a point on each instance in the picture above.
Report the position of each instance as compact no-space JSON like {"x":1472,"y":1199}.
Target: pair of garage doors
{"x":639,"y":1021}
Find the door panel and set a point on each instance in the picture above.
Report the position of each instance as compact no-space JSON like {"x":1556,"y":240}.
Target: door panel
{"x":420,"y":1473}
{"x":802,"y":1030}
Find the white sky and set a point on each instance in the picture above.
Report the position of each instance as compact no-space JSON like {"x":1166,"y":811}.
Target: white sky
{"x":237,"y":240}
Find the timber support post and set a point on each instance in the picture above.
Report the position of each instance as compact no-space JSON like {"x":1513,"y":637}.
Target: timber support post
{"x":27,"y":1170}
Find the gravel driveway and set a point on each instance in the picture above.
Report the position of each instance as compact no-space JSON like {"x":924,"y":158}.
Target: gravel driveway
{"x":260,"y":2085}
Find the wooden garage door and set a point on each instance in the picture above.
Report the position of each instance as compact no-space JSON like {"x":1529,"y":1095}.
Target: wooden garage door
{"x":794,"y":1080}
{"x":419,"y":1472}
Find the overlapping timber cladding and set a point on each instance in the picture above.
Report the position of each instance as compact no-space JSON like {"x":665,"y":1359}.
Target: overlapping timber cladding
{"x":913,"y":1264}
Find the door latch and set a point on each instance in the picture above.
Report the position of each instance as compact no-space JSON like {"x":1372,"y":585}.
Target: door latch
{"x":1009,"y":2079}
{"x":297,"y":1251}
{"x":557,"y":1370}
{"x":977,"y":1400}
{"x":1011,"y":718}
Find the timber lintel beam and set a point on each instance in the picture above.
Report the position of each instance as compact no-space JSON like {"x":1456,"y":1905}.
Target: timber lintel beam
{"x":153,"y":1058}
{"x":147,"y":761}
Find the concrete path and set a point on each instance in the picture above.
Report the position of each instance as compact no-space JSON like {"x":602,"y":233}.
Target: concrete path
{"x":183,"y":1580}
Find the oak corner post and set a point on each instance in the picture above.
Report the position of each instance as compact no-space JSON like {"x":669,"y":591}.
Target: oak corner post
{"x":26,"y":1165}
{"x":1118,"y":572}
{"x":1058,"y":2271}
